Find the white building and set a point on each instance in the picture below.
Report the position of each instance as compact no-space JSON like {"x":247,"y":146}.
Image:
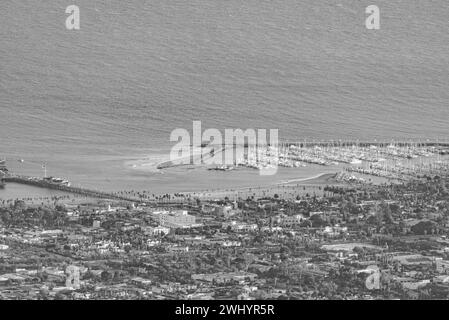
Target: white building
{"x":176,"y":219}
{"x":231,"y":243}
{"x":240,"y":226}
{"x":157,"y":231}
{"x":179,"y":249}
{"x":286,"y":220}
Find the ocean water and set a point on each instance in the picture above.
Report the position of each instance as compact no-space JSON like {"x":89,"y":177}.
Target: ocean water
{"x":90,"y":102}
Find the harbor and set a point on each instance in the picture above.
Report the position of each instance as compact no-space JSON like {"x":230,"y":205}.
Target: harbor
{"x":354,"y":162}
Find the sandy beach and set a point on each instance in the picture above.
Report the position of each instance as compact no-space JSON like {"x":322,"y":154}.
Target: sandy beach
{"x":287,"y":189}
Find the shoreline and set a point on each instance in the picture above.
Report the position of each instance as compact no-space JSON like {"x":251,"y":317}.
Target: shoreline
{"x":316,"y":177}
{"x":312,"y":183}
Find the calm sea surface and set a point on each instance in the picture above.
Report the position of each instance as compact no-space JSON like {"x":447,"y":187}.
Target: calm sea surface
{"x":92,"y":102}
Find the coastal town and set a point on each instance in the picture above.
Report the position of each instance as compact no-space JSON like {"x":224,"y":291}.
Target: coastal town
{"x":340,"y":236}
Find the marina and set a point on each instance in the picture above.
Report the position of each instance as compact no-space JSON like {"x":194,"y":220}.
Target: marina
{"x":397,"y":161}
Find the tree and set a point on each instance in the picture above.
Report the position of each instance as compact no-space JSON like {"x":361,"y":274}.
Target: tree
{"x":423,"y":227}
{"x":117,"y":276}
{"x":317,"y":221}
{"x":60,"y":296}
{"x":105,"y":276}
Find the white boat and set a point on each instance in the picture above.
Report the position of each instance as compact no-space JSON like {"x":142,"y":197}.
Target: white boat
{"x":356,"y":161}
{"x":58,"y":181}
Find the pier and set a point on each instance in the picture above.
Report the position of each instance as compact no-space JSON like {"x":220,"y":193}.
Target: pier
{"x":38,"y":182}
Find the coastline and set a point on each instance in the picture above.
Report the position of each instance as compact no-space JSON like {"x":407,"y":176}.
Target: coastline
{"x":319,"y":178}
{"x":311,"y":185}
